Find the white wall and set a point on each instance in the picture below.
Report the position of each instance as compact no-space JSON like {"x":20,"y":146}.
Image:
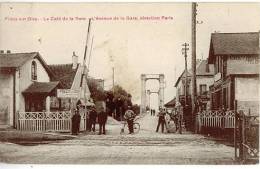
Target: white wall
{"x":208,"y":80}
{"x":247,"y":95}
{"x":25,"y":79}
{"x":76,"y":83}
{"x":6,"y":98}
{"x":204,"y":80}
{"x":247,"y":89}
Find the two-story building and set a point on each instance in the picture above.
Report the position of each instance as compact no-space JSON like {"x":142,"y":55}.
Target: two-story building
{"x":28,"y":84}
{"x":204,"y":75}
{"x":236,"y":71}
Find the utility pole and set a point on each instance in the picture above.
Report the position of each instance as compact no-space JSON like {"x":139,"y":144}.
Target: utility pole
{"x":193,"y":63}
{"x":113,"y":71}
{"x":184,"y":52}
{"x":113,"y":83}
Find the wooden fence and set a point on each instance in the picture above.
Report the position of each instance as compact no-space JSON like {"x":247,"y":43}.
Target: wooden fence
{"x":216,"y":119}
{"x":48,"y":121}
{"x":246,"y":138}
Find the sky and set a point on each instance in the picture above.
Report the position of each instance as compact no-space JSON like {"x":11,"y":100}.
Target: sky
{"x":135,"y":46}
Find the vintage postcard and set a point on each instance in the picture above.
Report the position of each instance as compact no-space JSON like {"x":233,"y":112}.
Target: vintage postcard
{"x":129,"y":83}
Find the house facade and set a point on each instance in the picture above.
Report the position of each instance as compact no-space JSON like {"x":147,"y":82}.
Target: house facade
{"x":204,"y":75}
{"x":28,"y":84}
{"x":236,"y":71}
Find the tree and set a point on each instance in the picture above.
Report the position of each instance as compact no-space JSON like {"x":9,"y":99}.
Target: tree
{"x":121,"y":100}
{"x":96,"y":93}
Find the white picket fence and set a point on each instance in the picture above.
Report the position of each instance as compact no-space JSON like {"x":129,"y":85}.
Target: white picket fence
{"x":48,"y":121}
{"x":216,"y":119}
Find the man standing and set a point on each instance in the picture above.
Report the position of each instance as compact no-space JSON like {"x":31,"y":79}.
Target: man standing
{"x":179,"y":110}
{"x":129,"y":116}
{"x":161,"y":120}
{"x":75,"y":122}
{"x":92,"y":118}
{"x":102,"y":119}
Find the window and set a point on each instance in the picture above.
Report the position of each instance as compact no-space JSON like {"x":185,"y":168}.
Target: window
{"x":203,"y":89}
{"x":34,"y":70}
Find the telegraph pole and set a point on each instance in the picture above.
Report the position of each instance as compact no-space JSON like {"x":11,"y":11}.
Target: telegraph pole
{"x":193,"y":62}
{"x":184,"y":52}
{"x":113,"y":73}
{"x":113,"y":76}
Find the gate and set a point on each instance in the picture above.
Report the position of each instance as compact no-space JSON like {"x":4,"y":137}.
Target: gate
{"x":49,"y":121}
{"x":246,"y":138}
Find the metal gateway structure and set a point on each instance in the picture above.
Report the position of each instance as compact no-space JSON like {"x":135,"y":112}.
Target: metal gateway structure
{"x":145,"y":101}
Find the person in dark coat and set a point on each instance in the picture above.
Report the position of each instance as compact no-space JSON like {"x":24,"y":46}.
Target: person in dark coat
{"x":92,"y":118}
{"x":102,"y":119}
{"x":161,"y":120}
{"x":75,"y":122}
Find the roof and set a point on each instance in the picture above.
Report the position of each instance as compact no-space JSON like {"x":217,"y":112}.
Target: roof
{"x":15,"y":59}
{"x":234,"y":44}
{"x":201,"y":70}
{"x":41,"y":87}
{"x":171,"y":103}
{"x":63,"y":73}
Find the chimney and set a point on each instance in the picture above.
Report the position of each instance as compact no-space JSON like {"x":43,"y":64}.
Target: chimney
{"x":8,"y":51}
{"x":74,"y":61}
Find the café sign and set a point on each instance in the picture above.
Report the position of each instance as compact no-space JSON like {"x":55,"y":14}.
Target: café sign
{"x":67,"y":93}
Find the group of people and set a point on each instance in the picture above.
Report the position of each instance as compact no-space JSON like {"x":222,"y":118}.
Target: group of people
{"x":152,"y":112}
{"x":91,"y":117}
{"x":161,"y":120}
{"x":101,"y":117}
{"x":175,"y":116}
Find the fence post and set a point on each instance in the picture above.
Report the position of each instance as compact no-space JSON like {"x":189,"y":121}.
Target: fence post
{"x":240,"y":135}
{"x":235,"y":128}
{"x":243,"y":136}
{"x":199,"y":122}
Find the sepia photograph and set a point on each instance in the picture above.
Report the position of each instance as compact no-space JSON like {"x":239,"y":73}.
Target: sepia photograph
{"x":169,"y":83}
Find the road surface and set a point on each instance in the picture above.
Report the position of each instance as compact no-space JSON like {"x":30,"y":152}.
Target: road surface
{"x":146,"y":147}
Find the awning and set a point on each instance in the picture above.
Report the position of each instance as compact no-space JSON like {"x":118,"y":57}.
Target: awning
{"x":171,"y":103}
{"x":41,"y":88}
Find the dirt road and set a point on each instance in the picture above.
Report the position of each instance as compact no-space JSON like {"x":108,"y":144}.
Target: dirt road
{"x":146,"y":147}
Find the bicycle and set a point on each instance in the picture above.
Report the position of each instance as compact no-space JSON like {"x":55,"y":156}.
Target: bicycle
{"x":136,"y":126}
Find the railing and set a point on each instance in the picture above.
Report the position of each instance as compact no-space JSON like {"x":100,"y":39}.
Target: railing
{"x":48,"y":121}
{"x":217,"y":119}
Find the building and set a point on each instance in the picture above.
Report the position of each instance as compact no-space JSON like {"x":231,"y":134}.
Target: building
{"x":170,"y":105}
{"x":28,"y":84}
{"x":204,"y":75}
{"x":236,"y":71}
